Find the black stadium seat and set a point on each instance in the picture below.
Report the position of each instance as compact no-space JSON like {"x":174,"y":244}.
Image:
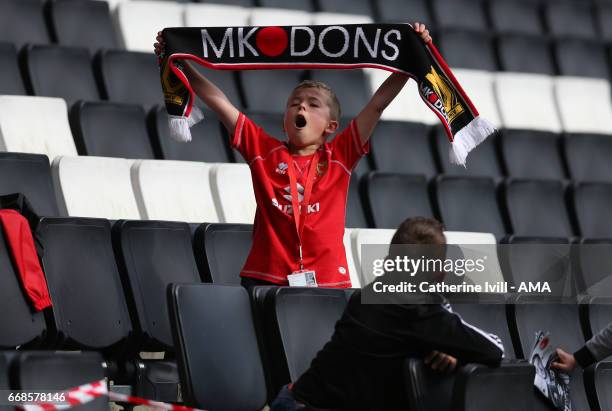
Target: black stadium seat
{"x":130,"y":77}
{"x":22,"y":21}
{"x":516,"y":17}
{"x":218,"y":356}
{"x":83,"y":24}
{"x":244,"y":3}
{"x":10,"y":81}
{"x":582,"y":58}
{"x":403,"y":147}
{"x":110,"y":130}
{"x":532,"y":154}
{"x":48,"y":371}
{"x":525,"y":53}
{"x":569,"y":20}
{"x":89,"y":307}
{"x":458,"y":48}
{"x":226,"y":80}
{"x":401,"y":11}
{"x":221,"y":251}
{"x":604,"y":18}
{"x":209,"y":141}
{"x":464,"y":14}
{"x":588,"y":157}
{"x":268,"y":90}
{"x":64,"y":72}
{"x":600,"y":379}
{"x":306,"y":5}
{"x":537,"y":208}
{"x":30,"y":175}
{"x":593,"y":206}
{"x":349,"y":85}
{"x":469,"y":204}
{"x":355,"y":214}
{"x":482,"y":161}
{"x":362,"y":7}
{"x":394,"y":197}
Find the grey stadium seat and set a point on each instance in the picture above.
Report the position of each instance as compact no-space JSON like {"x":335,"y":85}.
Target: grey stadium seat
{"x":11,"y":81}
{"x":464,"y":14}
{"x":361,"y":7}
{"x":569,"y":20}
{"x":350,"y":87}
{"x":582,"y":58}
{"x":268,"y":90}
{"x":588,"y":157}
{"x":532,"y":154}
{"x":467,"y":49}
{"x":402,"y":11}
{"x":521,"y":16}
{"x":22,"y":22}
{"x":525,"y":53}
{"x":592,"y":203}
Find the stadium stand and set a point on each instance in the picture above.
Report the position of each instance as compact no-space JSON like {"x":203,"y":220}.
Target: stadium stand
{"x":50,"y":134}
{"x":514,"y":144}
{"x":10,"y":81}
{"x":94,"y":187}
{"x":537,"y":208}
{"x":516,"y":17}
{"x":29,"y":174}
{"x":462,"y":14}
{"x":393,"y":197}
{"x":212,"y":325}
{"x":592,"y":205}
{"x":458,"y":209}
{"x":341,"y":18}
{"x":283,"y":4}
{"x":174,"y":191}
{"x":572,"y":53}
{"x":22,"y":22}
{"x":267,"y":16}
{"x":561,"y":16}
{"x":110,"y":130}
{"x":585,"y":104}
{"x":455,"y":46}
{"x":77,"y":23}
{"x":587,"y":157}
{"x":604,"y":18}
{"x":227,"y":14}
{"x":400,"y":11}
{"x":525,"y":53}
{"x":232,"y":190}
{"x":361,"y":7}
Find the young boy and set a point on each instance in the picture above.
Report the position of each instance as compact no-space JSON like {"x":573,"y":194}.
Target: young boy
{"x":307,"y":174}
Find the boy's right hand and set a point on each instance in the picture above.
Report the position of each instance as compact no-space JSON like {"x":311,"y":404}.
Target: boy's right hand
{"x":160,"y":46}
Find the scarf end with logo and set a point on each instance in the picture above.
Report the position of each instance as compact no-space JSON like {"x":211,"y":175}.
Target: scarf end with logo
{"x":180,"y":125}
{"x":468,"y":138}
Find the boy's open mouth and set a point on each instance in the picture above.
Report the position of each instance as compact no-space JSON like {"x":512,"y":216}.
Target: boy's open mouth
{"x":300,"y":121}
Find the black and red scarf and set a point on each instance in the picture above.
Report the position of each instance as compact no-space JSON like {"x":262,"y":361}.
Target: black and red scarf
{"x":393,"y":47}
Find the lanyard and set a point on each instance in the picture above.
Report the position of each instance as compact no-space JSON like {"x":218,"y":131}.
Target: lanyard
{"x":298,"y":218}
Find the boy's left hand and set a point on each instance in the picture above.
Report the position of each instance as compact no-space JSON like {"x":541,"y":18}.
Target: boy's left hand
{"x":422,"y":30}
{"x":441,"y":362}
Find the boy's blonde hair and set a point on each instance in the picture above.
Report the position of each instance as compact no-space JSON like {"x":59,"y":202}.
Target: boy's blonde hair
{"x":334,"y":103}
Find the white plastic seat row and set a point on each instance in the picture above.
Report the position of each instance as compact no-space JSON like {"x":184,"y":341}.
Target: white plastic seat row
{"x":116,"y":188}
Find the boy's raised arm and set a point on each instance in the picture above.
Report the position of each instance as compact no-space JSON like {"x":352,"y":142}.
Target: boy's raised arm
{"x":212,"y":96}
{"x":367,"y":119}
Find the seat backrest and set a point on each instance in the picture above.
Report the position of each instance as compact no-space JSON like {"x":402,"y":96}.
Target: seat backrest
{"x":211,"y":15}
{"x":403,"y":147}
{"x":401,"y":11}
{"x":139,"y":21}
{"x":232,"y":189}
{"x":130,"y":77}
{"x":469,"y":204}
{"x":11,"y":81}
{"x":89,"y":307}
{"x":395,"y":197}
{"x":49,"y":371}
{"x":212,"y":325}
{"x":221,"y":251}
{"x":474,"y":246}
{"x":527,"y":101}
{"x":271,"y":16}
{"x":603,"y":385}
{"x":593,"y":259}
{"x":571,"y":53}
{"x":268,"y":90}
{"x":593,"y":212}
{"x":369,"y":236}
{"x":515,"y":143}
{"x":50,"y":134}
{"x":603,"y":15}
{"x":516,"y":17}
{"x":478,"y":84}
{"x":525,"y":53}
{"x":330,"y":18}
{"x":350,"y":258}
{"x":174,"y":191}
{"x":559,"y":18}
{"x":291,"y":4}
{"x":361,"y":7}
{"x":151,"y":255}
{"x":20,"y":324}
{"x":457,"y":46}
{"x":95,"y":187}
{"x":464,"y":14}
{"x":65,"y":72}
{"x":29,"y":174}
{"x":355,"y":213}
{"x":537,"y":208}
{"x":585,"y":104}
{"x":83,"y":24}
{"x":23,"y":21}
{"x":350,"y":86}
{"x":110,"y":130}
{"x":588,"y":157}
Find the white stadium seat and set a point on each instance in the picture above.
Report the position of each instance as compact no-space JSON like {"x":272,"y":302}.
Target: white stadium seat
{"x":478,"y":85}
{"x":369,"y":236}
{"x":232,"y":190}
{"x":211,"y":15}
{"x":526,"y":101}
{"x":584,"y":104}
{"x":35,"y":125}
{"x":350,"y":260}
{"x":262,"y":16}
{"x":95,"y":187}
{"x":139,"y":22}
{"x":174,"y":191}
{"x":340,"y":18}
{"x":478,"y":245}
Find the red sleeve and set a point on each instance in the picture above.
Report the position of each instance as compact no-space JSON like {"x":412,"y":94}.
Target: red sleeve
{"x":347,"y":147}
{"x":251,"y":140}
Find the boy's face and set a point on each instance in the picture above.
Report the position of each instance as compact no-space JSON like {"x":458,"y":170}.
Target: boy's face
{"x":307,"y":119}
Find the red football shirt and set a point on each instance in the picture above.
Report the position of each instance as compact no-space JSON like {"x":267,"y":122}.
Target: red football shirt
{"x":274,"y":253}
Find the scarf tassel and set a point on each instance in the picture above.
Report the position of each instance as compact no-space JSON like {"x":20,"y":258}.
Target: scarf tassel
{"x":468,"y":138}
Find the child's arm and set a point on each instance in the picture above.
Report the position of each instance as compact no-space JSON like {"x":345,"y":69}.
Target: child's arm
{"x":212,"y":96}
{"x":367,"y":119}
